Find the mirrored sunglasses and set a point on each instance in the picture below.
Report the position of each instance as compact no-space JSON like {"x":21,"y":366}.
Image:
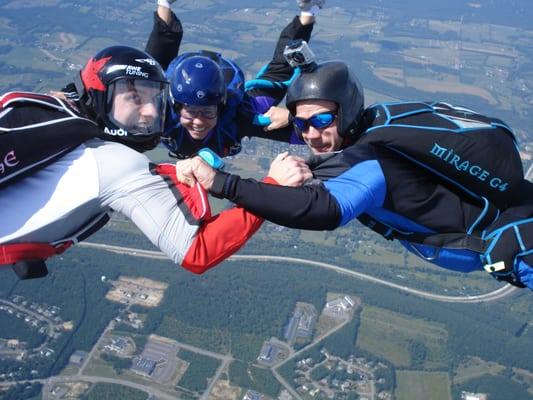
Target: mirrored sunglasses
{"x":318,"y":121}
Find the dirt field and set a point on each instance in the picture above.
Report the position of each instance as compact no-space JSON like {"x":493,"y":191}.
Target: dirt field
{"x":143,"y":291}
{"x":224,"y":391}
{"x":75,"y":390}
{"x":429,"y":85}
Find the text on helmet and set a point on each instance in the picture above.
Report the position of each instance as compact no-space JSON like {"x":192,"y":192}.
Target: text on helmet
{"x":116,"y":132}
{"x":129,"y":70}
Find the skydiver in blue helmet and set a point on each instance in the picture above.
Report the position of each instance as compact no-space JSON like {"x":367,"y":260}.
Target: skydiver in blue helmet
{"x":209,"y":104}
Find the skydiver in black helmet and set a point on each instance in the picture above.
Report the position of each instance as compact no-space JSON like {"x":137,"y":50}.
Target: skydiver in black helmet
{"x":445,"y":181}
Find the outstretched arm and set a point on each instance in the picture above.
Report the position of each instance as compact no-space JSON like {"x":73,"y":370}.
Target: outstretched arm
{"x":165,"y":39}
{"x":306,"y":207}
{"x":219,"y":237}
{"x":268,"y":89}
{"x":359,"y":185}
{"x":278,"y":70}
{"x":224,"y":234}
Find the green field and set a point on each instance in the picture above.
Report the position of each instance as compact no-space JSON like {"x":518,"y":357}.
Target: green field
{"x":201,"y":368}
{"x":475,"y":367}
{"x":219,"y":340}
{"x":322,"y":238}
{"x":98,"y":367}
{"x":388,"y":334}
{"x":416,"y":385}
{"x":102,"y":391}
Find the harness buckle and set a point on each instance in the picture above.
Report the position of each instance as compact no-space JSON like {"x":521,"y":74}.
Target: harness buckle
{"x":495,"y":267}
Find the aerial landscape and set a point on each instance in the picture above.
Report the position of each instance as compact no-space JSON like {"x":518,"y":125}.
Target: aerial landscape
{"x":295,"y":314}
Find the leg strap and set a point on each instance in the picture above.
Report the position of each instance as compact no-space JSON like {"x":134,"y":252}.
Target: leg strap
{"x":510,"y":237}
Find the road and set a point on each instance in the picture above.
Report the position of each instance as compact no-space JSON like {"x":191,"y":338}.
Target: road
{"x":226,"y":359}
{"x":204,"y":352}
{"x":30,"y":312}
{"x":482,"y":298}
{"x":49,"y":383}
{"x":152,"y":391}
{"x":97,"y":345}
{"x":285,"y":384}
{"x":223,"y":366}
{"x":51,"y":324}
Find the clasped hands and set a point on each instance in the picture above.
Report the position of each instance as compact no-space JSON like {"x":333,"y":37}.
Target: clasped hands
{"x":285,"y":169}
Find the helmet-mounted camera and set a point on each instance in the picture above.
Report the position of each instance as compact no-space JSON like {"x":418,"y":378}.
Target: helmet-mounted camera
{"x":299,"y":54}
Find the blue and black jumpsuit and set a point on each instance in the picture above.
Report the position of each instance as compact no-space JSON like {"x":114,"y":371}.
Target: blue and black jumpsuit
{"x":372,"y":180}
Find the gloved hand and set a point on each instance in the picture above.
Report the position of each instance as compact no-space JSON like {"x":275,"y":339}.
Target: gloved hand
{"x":165,"y":3}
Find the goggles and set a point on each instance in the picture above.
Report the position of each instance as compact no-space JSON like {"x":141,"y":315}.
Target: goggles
{"x":317,"y":121}
{"x":191,"y":112}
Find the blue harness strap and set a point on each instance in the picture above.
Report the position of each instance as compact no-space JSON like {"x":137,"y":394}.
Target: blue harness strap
{"x":260,"y":83}
{"x":499,"y":251}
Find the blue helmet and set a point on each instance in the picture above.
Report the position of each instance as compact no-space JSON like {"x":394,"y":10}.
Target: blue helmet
{"x":234,"y":80}
{"x":206,"y":79}
{"x":196,"y":80}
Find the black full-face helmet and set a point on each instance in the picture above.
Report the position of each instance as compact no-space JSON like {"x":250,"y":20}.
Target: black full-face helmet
{"x":125,"y":91}
{"x":331,"y":81}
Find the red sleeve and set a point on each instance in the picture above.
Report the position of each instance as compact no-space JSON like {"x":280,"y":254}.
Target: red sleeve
{"x":221,"y":236}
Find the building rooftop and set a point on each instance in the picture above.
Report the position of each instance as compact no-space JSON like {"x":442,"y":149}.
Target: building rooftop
{"x":143,"y":366}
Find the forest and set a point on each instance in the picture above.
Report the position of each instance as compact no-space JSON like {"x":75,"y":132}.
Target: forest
{"x":236,"y":306}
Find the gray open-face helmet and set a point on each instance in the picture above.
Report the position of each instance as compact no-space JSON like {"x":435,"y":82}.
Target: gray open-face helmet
{"x":331,"y":81}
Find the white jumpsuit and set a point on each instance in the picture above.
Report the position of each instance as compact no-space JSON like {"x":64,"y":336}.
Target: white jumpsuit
{"x":96,"y":177}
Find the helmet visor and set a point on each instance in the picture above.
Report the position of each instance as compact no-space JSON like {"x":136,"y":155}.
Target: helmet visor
{"x":137,"y":105}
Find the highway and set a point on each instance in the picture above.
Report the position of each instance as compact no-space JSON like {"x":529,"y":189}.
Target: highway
{"x":50,"y":382}
{"x":226,"y":359}
{"x":482,"y":298}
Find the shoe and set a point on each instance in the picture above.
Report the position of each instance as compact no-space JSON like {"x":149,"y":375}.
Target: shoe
{"x":306,"y":5}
